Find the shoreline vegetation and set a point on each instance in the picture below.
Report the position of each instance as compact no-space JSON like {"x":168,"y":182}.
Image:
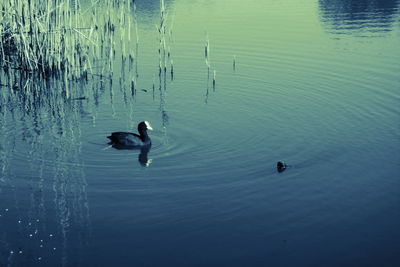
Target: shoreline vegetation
{"x":64,"y":40}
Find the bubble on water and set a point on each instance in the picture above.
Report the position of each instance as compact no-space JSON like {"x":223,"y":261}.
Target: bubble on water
{"x":40,"y":258}
{"x":11,"y":252}
{"x":41,"y":246}
{"x":36,"y":231}
{"x":6,"y":209}
{"x":20,"y":252}
{"x":54,"y":248}
{"x":41,"y":240}
{"x":19,"y":221}
{"x":37,"y":220}
{"x":30,"y":235}
{"x":51,"y":235}
{"x":29,"y":224}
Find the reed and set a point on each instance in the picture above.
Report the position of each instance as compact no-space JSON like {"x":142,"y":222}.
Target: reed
{"x":57,"y":38}
{"x":208,"y":64}
{"x":164,"y":50}
{"x":43,"y":37}
{"x":172,"y":69}
{"x":207,"y":53}
{"x":133,"y":86}
{"x":65,"y":41}
{"x":214,"y":78}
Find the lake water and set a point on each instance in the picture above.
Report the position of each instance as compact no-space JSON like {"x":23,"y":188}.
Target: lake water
{"x":313,"y":83}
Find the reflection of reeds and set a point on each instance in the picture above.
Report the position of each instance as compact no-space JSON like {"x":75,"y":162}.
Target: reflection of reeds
{"x":164,"y":53}
{"x":133,"y":87}
{"x":45,"y":132}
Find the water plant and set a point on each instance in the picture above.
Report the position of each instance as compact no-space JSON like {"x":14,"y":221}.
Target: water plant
{"x":65,"y":40}
{"x":36,"y":37}
{"x":172,"y":69}
{"x":74,"y":42}
{"x":208,"y":64}
{"x":207,"y":53}
{"x":162,"y":43}
{"x":214,"y":76}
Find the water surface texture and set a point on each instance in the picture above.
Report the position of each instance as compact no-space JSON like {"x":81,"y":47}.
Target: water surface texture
{"x":313,"y":83}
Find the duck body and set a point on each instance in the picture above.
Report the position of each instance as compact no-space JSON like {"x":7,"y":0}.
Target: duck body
{"x":281,"y":166}
{"x":128,"y":139}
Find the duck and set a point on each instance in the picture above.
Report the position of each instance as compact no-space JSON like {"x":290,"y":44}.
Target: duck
{"x":281,"y":166}
{"x":127,"y":139}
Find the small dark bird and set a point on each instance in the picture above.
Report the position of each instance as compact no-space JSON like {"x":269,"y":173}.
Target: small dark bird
{"x":281,"y":166}
{"x":127,"y":139}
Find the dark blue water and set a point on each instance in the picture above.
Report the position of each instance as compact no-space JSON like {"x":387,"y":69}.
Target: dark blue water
{"x":312,"y":83}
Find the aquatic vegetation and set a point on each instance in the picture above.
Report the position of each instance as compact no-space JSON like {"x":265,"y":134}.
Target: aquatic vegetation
{"x":63,"y":39}
{"x":207,"y":53}
{"x":164,"y":50}
{"x":214,"y":77}
{"x":44,"y":37}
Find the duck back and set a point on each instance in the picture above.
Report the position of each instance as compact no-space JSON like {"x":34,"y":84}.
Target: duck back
{"x":127,"y":139}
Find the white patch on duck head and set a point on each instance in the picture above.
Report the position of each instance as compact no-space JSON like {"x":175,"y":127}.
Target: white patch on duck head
{"x":148,"y":125}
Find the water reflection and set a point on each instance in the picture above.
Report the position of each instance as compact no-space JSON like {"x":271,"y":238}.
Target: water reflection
{"x":151,"y":9}
{"x":359,"y":17}
{"x":143,"y":155}
{"x":42,"y":178}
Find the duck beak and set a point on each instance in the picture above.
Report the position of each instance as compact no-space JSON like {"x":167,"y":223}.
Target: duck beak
{"x":148,"y":126}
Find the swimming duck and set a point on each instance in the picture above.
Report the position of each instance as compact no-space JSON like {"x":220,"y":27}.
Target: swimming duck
{"x":131,"y":139}
{"x":281,"y":166}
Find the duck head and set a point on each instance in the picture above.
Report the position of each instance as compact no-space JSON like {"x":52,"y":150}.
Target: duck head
{"x":143,"y":127}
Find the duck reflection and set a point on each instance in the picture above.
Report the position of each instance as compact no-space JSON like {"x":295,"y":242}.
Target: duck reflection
{"x":349,"y":16}
{"x":143,"y":155}
{"x":143,"y":158}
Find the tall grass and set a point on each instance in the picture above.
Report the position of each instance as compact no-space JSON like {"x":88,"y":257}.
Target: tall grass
{"x":44,"y":37}
{"x":208,"y":64}
{"x":73,"y":41}
{"x":60,"y":38}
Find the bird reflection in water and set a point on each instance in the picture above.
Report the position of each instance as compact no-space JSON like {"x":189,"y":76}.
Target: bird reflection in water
{"x":143,"y":155}
{"x":143,"y":158}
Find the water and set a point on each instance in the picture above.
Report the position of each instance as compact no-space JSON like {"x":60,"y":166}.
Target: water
{"x":315,"y":84}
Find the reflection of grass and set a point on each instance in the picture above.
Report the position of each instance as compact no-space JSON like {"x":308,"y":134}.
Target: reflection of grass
{"x":42,"y":132}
